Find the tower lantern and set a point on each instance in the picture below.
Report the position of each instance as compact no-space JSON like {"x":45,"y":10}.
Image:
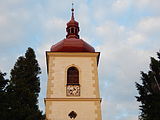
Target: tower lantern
{"x":72,"y":89}
{"x":72,"y":27}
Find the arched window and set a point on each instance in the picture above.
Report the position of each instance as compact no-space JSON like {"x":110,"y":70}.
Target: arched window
{"x":72,"y":75}
{"x":72,"y":30}
{"x":68,"y":30}
{"x":76,"y":31}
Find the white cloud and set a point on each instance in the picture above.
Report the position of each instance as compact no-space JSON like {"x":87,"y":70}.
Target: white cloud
{"x":142,"y":3}
{"x":13,"y":20}
{"x":113,"y":108}
{"x":110,"y":31}
{"x":120,"y":5}
{"x":41,"y":54}
{"x":82,"y":12}
{"x":10,"y":29}
{"x":151,"y":5}
{"x":100,"y":13}
{"x":122,"y":62}
{"x":136,"y":38}
{"x":54,"y":24}
{"x":149,"y":25}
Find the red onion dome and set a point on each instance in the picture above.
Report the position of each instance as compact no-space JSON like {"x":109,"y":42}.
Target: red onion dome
{"x":72,"y":43}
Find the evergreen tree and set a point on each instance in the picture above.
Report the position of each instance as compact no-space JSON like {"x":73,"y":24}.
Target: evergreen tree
{"x":3,"y":96}
{"x":24,"y":88}
{"x":149,"y":91}
{"x":3,"y":82}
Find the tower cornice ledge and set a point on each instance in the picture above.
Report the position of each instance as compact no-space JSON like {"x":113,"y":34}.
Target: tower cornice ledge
{"x":73,"y":99}
{"x":73,"y":53}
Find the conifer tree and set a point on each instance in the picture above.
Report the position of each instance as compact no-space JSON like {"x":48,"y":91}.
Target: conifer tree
{"x":24,"y":88}
{"x":3,"y":96}
{"x":149,"y":91}
{"x":3,"y":82}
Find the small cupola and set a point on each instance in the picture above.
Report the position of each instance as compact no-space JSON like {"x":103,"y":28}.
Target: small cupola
{"x":72,"y":42}
{"x":72,"y":27}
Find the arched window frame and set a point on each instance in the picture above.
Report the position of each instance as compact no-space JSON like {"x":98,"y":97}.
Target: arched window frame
{"x":71,"y":77}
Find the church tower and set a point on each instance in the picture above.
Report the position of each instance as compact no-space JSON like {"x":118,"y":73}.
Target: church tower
{"x":72,"y":89}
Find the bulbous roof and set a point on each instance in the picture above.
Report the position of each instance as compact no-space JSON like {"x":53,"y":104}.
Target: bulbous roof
{"x":72,"y":43}
{"x":72,"y":22}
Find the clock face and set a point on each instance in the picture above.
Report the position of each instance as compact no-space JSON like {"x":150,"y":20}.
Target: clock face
{"x":73,"y":90}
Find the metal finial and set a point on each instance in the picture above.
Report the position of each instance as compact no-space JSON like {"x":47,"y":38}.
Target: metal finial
{"x":72,"y":5}
{"x":72,"y":10}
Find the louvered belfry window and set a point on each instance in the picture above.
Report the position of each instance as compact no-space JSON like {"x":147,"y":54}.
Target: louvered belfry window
{"x":72,"y":75}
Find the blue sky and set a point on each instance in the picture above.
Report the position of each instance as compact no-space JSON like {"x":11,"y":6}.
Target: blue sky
{"x":126,"y":32}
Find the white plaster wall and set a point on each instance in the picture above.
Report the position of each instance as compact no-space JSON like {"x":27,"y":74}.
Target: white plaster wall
{"x":59,"y":76}
{"x":85,"y":110}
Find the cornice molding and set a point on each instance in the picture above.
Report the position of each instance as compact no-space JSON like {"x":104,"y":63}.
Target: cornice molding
{"x":73,"y":54}
{"x":72,"y":99}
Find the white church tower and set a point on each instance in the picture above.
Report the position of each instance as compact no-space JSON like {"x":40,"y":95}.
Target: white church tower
{"x":73,"y":89}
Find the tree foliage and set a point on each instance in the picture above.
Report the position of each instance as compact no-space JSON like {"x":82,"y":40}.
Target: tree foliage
{"x":149,"y":91}
{"x":3,"y":95}
{"x":23,"y":89}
